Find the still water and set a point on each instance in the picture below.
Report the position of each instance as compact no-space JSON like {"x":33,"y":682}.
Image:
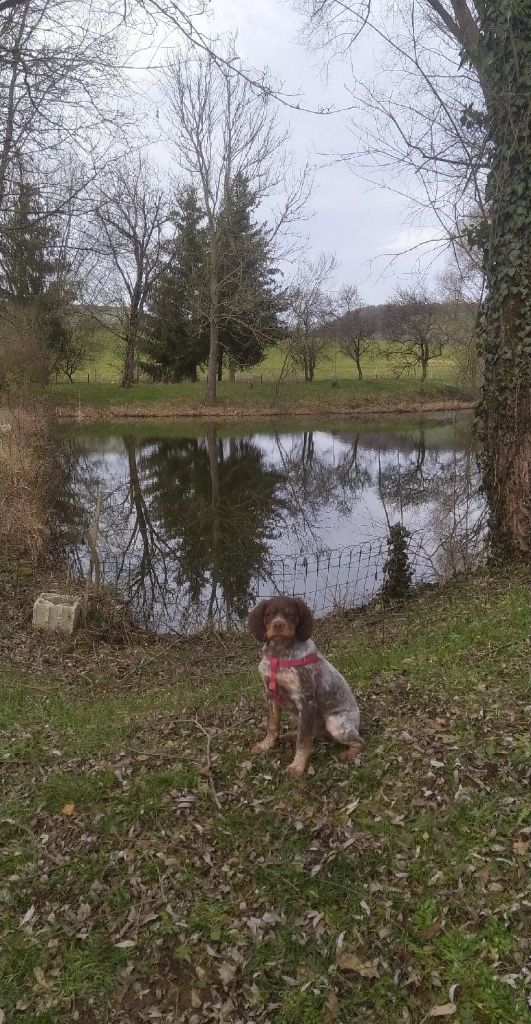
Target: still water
{"x":198,"y":521}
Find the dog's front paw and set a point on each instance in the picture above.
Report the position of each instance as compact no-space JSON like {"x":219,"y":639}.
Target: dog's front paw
{"x":295,"y":770}
{"x":262,"y":747}
{"x":354,"y":750}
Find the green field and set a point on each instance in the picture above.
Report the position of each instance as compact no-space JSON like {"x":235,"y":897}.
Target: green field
{"x":105,"y":365}
{"x":152,"y":869}
{"x":336,"y":389}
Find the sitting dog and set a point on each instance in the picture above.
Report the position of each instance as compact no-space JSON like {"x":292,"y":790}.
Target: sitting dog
{"x":298,"y":679}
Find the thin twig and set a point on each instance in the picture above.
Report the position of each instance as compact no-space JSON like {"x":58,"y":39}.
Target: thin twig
{"x":197,"y":723}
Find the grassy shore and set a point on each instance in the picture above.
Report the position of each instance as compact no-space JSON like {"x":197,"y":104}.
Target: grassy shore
{"x":93,"y":401}
{"x":153,"y":870}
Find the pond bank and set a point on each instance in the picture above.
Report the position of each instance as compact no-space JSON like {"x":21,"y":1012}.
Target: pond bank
{"x":238,"y":401}
{"x":155,"y":869}
{"x":88,"y":414}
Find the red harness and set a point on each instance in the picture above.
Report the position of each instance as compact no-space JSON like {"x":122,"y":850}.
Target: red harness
{"x":276,"y":663}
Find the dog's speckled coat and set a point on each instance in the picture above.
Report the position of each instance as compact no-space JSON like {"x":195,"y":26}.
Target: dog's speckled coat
{"x":317,"y":695}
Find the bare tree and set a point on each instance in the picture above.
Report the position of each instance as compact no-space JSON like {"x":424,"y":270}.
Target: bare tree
{"x":223,"y":128}
{"x":61,"y":90}
{"x":463,"y":127}
{"x":131,"y":213}
{"x":355,"y":327}
{"x":310,"y":310}
{"x":420,"y":114}
{"x":461,"y":290}
{"x":415,"y":324}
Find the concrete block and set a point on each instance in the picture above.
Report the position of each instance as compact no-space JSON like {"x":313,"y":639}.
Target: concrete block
{"x":59,"y":613}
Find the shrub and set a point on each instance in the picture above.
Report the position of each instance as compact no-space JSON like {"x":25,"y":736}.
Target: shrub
{"x":25,"y":478}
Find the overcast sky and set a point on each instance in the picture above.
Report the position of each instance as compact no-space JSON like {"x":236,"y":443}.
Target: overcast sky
{"x":360,"y":223}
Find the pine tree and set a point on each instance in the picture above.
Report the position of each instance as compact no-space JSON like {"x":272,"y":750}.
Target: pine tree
{"x":250,"y":301}
{"x":34,"y":275}
{"x":29,"y":263}
{"x":176,"y":340}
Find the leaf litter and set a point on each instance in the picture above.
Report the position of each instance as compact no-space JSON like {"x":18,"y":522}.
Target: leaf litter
{"x":187,"y":891}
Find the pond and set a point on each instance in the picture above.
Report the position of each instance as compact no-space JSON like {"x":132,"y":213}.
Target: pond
{"x":200,"y":520}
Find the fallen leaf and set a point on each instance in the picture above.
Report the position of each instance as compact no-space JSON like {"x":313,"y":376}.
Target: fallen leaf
{"x":27,"y":917}
{"x":124,"y":944}
{"x":227,"y":973}
{"x":39,"y":977}
{"x":446,"y":1010}
{"x":351,"y":962}
{"x":331,"y":1008}
{"x":226,"y":1009}
{"x":520,"y":847}
{"x":68,"y":810}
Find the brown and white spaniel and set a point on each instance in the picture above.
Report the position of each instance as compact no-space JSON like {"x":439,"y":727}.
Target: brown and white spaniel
{"x":299,"y":680}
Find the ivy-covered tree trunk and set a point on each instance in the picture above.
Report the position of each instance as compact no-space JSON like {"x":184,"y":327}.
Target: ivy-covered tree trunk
{"x":505,"y":410}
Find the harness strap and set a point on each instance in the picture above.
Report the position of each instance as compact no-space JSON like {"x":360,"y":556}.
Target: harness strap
{"x":279,"y":663}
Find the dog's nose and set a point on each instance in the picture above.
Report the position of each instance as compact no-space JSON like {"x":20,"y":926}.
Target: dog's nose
{"x":277,"y":626}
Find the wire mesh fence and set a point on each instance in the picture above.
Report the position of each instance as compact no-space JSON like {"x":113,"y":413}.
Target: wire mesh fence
{"x":352,"y":576}
{"x":346,"y":577}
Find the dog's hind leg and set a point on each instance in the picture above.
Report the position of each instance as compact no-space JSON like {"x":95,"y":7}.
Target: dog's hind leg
{"x":343,"y":727}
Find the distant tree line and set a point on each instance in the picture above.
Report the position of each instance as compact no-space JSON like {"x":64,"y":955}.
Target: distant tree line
{"x":161,"y":251}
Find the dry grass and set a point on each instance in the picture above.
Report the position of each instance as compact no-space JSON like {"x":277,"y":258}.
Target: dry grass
{"x":25,"y":475}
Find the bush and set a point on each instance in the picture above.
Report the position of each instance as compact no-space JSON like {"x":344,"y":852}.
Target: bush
{"x":24,"y":358}
{"x":25,"y":478}
{"x":398,"y":574}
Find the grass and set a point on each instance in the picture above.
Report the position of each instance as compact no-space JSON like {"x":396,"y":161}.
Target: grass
{"x":104,"y":365}
{"x":153,"y":870}
{"x":336,"y":389}
{"x":319,"y":398}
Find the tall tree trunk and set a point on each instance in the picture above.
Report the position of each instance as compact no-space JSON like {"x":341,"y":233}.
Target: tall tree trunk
{"x":358,"y":364}
{"x":232,"y":371}
{"x":10,"y":105}
{"x":424,"y":360}
{"x":128,"y":372}
{"x":213,"y":355}
{"x":505,"y":321}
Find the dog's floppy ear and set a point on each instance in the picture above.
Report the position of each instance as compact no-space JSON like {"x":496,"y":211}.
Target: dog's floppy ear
{"x":255,"y":621}
{"x":305,"y":627}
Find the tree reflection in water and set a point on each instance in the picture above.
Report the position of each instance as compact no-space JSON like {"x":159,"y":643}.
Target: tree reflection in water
{"x":194,"y":526}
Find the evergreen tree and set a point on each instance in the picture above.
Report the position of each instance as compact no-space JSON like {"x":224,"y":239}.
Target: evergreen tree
{"x":250,"y":301}
{"x":33,"y":273}
{"x":176,"y":340}
{"x":29,"y":263}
